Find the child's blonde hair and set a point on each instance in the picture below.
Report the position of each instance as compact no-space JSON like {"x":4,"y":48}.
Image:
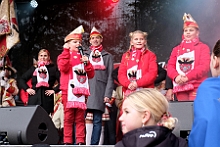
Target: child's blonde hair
{"x":131,"y":34}
{"x":138,"y":31}
{"x":152,"y":100}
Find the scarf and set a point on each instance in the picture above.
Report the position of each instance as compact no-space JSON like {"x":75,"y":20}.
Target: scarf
{"x":96,"y":58}
{"x":99,"y":48}
{"x":185,"y":63}
{"x":78,"y":87}
{"x":42,"y":74}
{"x":134,"y":66}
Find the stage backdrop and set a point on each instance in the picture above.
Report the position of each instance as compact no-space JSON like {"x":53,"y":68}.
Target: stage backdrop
{"x":48,"y":24}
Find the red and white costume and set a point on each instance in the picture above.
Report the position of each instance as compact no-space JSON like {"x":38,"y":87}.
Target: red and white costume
{"x":42,"y":74}
{"x":74,"y":87}
{"x":8,"y":86}
{"x":138,"y":65}
{"x":191,"y":58}
{"x":96,"y":58}
{"x":8,"y":92}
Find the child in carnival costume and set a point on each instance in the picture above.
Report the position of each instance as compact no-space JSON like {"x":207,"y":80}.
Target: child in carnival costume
{"x":188,"y":65}
{"x":101,"y":93}
{"x":75,"y":71}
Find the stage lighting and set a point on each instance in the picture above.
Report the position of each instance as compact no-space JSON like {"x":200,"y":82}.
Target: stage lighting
{"x":34,"y":3}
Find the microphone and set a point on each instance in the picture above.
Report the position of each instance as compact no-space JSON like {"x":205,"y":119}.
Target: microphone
{"x":81,"y":52}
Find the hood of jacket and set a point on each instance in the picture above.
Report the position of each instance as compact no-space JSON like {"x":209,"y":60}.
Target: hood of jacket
{"x":151,"y":136}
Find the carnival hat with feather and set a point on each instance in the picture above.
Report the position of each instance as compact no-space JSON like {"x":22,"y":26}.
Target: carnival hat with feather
{"x":189,"y":21}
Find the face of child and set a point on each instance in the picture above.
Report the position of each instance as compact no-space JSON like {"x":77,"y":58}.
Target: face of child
{"x":74,"y":44}
{"x":95,"y":40}
{"x":130,"y":119}
{"x":43,"y":56}
{"x":138,"y":41}
{"x":190,"y":33}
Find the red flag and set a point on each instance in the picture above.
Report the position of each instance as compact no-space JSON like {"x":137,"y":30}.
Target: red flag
{"x":9,"y":35}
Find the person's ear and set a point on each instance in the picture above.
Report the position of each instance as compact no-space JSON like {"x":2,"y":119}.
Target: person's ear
{"x":131,"y":43}
{"x":145,"y":43}
{"x":216,"y":62}
{"x":197,"y":34}
{"x":146,"y":117}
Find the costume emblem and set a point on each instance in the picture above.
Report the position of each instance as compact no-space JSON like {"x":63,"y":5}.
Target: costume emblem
{"x":185,"y":64}
{"x":96,"y":57}
{"x":81,"y":75}
{"x":42,"y":73}
{"x":132,"y":74}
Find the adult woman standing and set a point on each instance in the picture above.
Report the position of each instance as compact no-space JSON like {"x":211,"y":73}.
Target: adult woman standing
{"x":188,"y":65}
{"x":43,"y":79}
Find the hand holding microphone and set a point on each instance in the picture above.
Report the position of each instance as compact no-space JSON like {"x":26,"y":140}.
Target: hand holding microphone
{"x":84,"y":58}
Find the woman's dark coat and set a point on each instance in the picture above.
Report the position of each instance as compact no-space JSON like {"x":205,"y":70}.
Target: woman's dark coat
{"x":47,"y":102}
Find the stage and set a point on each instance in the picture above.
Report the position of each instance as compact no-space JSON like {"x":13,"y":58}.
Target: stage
{"x":32,"y":125}
{"x":55,"y":145}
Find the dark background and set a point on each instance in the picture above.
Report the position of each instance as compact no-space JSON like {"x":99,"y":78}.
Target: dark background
{"x":48,"y":24}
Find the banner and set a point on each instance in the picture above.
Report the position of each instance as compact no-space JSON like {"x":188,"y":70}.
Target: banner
{"x":9,"y":33}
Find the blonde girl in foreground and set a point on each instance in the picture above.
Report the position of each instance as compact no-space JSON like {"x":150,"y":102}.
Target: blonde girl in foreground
{"x":146,"y":122}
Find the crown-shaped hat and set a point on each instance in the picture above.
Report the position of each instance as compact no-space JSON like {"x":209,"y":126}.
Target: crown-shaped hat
{"x":95,"y":32}
{"x":76,"y":34}
{"x":189,"y":21}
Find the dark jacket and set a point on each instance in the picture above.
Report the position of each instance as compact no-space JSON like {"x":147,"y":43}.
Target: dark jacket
{"x":161,"y":75}
{"x":151,"y":136}
{"x":168,"y":83}
{"x":47,"y":102}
